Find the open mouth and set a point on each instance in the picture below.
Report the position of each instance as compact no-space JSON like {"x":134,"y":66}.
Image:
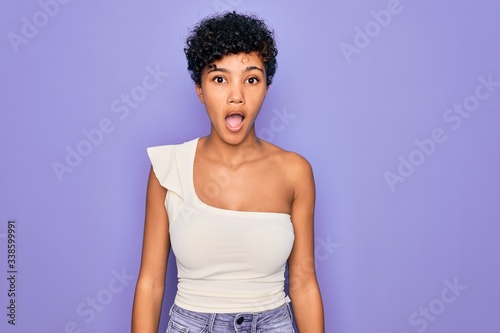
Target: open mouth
{"x":234,"y":121}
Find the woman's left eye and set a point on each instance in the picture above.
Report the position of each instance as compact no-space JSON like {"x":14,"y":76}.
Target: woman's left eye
{"x":252,"y":80}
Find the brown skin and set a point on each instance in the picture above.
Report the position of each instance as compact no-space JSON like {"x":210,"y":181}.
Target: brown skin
{"x":155,"y":248}
{"x":252,"y":174}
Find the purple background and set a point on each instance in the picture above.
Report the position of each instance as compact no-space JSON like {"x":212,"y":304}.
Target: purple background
{"x":386,"y":256}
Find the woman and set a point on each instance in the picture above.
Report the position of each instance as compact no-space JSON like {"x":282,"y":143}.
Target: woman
{"x":233,"y":207}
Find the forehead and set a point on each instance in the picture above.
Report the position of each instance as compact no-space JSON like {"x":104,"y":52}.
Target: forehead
{"x":237,"y":61}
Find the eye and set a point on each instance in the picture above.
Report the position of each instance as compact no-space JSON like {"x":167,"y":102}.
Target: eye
{"x":253,"y":80}
{"x":218,"y":79}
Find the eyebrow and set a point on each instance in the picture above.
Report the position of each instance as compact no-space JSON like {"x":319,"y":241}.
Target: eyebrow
{"x":254,"y":67}
{"x":214,"y":68}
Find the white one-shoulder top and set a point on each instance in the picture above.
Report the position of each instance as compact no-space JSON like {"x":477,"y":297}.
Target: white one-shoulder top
{"x":227,"y":261}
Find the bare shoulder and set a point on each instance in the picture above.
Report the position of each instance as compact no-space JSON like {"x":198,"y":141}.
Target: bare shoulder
{"x":294,"y":166}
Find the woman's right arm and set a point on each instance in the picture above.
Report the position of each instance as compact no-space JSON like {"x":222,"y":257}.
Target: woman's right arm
{"x":155,"y":248}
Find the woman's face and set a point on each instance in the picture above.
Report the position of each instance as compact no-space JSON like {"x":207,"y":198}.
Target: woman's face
{"x":232,"y":90}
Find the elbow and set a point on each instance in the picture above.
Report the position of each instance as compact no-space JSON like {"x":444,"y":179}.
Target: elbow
{"x":303,"y":286}
{"x":150,"y":286}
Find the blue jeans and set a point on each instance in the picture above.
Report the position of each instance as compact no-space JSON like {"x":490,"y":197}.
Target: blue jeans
{"x":278,"y":320}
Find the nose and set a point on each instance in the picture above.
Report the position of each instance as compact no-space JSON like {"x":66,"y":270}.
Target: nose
{"x":236,"y":95}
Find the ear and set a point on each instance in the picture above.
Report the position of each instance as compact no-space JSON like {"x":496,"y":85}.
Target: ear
{"x":199,"y":92}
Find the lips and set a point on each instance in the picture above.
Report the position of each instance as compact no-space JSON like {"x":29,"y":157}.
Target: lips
{"x":234,"y":121}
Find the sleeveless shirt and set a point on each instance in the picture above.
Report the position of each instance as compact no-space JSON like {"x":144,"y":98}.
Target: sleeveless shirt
{"x":228,"y":261}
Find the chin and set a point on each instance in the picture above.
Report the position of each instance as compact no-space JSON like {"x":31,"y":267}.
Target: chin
{"x":234,"y":139}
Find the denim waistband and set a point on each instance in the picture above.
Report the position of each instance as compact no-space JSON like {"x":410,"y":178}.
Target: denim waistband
{"x":234,"y":319}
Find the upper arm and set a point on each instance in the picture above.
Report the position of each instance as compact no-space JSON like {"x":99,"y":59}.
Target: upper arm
{"x":156,"y":241}
{"x":301,"y":260}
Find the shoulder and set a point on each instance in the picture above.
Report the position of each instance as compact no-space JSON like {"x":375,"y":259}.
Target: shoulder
{"x":292,"y":165}
{"x":297,"y":176}
{"x":170,"y":162}
{"x":171,"y":151}
{"x":175,"y":146}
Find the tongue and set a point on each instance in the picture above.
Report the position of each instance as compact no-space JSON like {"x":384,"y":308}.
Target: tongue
{"x":234,"y":120}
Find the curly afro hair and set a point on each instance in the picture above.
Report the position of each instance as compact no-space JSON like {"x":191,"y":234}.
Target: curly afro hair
{"x":229,"y":33}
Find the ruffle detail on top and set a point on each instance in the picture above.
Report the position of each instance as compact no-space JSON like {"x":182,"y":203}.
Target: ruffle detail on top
{"x":165,"y":162}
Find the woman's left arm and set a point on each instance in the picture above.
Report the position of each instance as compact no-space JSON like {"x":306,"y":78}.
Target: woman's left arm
{"x":303,"y":287}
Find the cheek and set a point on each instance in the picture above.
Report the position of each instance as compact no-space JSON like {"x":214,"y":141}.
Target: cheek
{"x":258,"y":97}
{"x":211,"y":101}
{"x":214,"y":96}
